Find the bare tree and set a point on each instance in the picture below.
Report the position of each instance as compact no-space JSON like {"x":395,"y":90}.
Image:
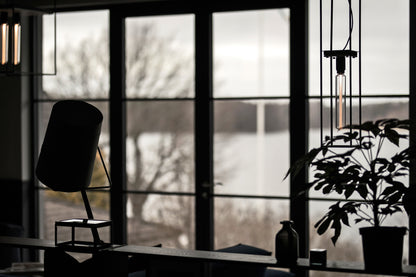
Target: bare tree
{"x":154,"y":70}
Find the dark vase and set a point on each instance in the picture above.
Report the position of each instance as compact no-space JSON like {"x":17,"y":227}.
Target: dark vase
{"x":287,"y":244}
{"x":383,"y":248}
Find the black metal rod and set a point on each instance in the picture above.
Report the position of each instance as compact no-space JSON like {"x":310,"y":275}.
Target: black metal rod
{"x":105,"y":168}
{"x":321,"y":74}
{"x":359,"y":66}
{"x":94,"y":231}
{"x":331,"y":125}
{"x":412,"y":117}
{"x":350,"y":69}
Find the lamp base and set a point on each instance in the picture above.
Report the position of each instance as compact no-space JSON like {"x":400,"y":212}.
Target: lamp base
{"x":84,"y":246}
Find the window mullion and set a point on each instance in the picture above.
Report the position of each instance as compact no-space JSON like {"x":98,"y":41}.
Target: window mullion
{"x":117,"y":128}
{"x":204,"y":226}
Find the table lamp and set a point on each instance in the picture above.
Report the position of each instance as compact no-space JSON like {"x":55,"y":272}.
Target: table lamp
{"x":66,"y":162}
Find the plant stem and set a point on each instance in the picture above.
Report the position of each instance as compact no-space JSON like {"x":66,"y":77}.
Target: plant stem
{"x":375,"y":213}
{"x":369,"y":150}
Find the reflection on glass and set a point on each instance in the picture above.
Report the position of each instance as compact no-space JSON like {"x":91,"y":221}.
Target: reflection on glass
{"x":160,"y":146}
{"x":159,"y":56}
{"x":160,"y":219}
{"x":251,"y":53}
{"x":82,"y":56}
{"x":248,"y":221}
{"x":251,"y":148}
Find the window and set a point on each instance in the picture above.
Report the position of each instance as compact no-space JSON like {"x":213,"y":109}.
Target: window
{"x":250,"y":118}
{"x":251,"y":130}
{"x":385,"y":92}
{"x":160,"y":135}
{"x":252,"y":94}
{"x":82,"y":66}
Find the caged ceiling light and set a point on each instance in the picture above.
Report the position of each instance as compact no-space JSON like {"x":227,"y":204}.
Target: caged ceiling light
{"x":337,"y":88}
{"x":17,"y":34}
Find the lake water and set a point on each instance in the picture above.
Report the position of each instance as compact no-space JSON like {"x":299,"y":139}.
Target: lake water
{"x":237,"y":167}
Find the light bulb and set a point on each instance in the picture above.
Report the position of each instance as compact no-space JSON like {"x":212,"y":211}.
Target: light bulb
{"x":340,"y":88}
{"x":16,"y":38}
{"x":4,"y":43}
{"x":340,"y":84}
{"x":16,"y":42}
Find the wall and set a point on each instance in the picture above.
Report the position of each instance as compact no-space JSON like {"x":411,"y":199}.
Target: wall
{"x":16,"y":190}
{"x":14,"y":151}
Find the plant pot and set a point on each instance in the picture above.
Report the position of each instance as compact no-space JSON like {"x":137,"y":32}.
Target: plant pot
{"x":383,"y":248}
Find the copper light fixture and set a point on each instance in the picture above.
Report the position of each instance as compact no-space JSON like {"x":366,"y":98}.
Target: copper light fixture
{"x":340,"y":90}
{"x":14,"y":19}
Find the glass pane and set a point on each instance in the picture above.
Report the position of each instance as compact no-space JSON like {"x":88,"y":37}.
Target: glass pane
{"x":385,"y":41}
{"x":160,"y":219}
{"x":248,"y":221}
{"x":251,"y":53}
{"x":251,"y":147}
{"x":57,"y":205}
{"x":372,"y":109}
{"x":48,"y":51}
{"x":348,"y":246}
{"x":160,"y":56}
{"x":82,"y":57}
{"x":160,"y":146}
{"x":385,"y":33}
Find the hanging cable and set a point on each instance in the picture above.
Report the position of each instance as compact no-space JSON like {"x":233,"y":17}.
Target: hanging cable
{"x":351,"y":24}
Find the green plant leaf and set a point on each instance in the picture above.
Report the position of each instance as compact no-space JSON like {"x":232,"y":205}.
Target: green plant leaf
{"x":362,"y":191}
{"x":394,"y":198}
{"x":349,"y":191}
{"x":389,"y":190}
{"x":392,"y":136}
{"x":336,"y":225}
{"x":323,"y":226}
{"x":345,"y":220}
{"x":303,"y":162}
{"x":327,"y":189}
{"x":358,"y":220}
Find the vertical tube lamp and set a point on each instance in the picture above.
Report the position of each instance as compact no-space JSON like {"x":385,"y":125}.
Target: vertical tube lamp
{"x":340,"y":90}
{"x":17,"y":29}
{"x":340,"y":94}
{"x":4,"y":38}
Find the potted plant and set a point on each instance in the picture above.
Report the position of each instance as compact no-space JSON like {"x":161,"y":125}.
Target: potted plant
{"x":370,"y":181}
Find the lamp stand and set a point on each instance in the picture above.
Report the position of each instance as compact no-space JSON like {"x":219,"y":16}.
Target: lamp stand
{"x":94,"y":231}
{"x":79,"y":245}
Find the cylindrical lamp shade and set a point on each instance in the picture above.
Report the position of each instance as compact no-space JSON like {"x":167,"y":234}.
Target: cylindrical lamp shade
{"x":67,"y":156}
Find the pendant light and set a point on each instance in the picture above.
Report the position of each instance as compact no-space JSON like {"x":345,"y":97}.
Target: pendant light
{"x":17,"y":29}
{"x":4,"y":38}
{"x":339,"y":89}
{"x":17,"y":34}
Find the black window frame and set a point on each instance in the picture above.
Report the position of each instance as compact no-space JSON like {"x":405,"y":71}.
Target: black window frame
{"x":203,"y":108}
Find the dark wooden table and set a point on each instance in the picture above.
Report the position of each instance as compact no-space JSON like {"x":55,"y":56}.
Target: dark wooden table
{"x":267,"y":261}
{"x":199,"y":256}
